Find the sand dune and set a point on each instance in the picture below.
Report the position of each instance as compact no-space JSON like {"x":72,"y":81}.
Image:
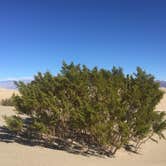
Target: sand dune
{"x":6,"y":93}
{"x":20,"y":155}
{"x":162,"y":104}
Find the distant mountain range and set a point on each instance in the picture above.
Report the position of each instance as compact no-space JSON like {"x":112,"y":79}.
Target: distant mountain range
{"x":162,"y":83}
{"x":10,"y":84}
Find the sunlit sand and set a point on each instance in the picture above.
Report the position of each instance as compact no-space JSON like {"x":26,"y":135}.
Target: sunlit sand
{"x":14,"y":154}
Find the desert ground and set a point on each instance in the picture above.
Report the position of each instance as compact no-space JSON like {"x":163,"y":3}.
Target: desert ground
{"x":6,"y":93}
{"x":15,"y":154}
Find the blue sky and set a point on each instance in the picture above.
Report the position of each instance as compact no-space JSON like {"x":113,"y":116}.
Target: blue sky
{"x":37,"y":35}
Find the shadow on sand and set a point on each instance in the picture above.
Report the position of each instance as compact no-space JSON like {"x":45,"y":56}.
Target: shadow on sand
{"x":74,"y":148}
{"x":57,"y":144}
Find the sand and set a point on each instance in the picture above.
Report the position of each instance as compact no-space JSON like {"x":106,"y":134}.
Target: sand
{"x":14,"y":154}
{"x":6,"y":93}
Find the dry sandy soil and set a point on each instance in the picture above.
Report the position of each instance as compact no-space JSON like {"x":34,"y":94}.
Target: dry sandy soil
{"x":6,"y":93}
{"x":14,"y":154}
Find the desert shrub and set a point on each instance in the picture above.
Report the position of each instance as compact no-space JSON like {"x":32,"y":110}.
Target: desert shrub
{"x":7,"y":102}
{"x":110,"y":109}
{"x":14,"y":124}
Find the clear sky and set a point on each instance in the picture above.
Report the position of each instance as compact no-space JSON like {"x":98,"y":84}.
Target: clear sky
{"x":37,"y":35}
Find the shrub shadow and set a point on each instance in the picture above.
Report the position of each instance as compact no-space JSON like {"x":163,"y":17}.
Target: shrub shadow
{"x":58,"y":144}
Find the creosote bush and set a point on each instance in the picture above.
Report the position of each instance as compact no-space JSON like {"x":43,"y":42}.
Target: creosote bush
{"x":98,"y":107}
{"x":14,"y":124}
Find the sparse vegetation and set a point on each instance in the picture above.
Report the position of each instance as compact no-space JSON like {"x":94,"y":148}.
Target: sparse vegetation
{"x":98,"y":107}
{"x":7,"y":102}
